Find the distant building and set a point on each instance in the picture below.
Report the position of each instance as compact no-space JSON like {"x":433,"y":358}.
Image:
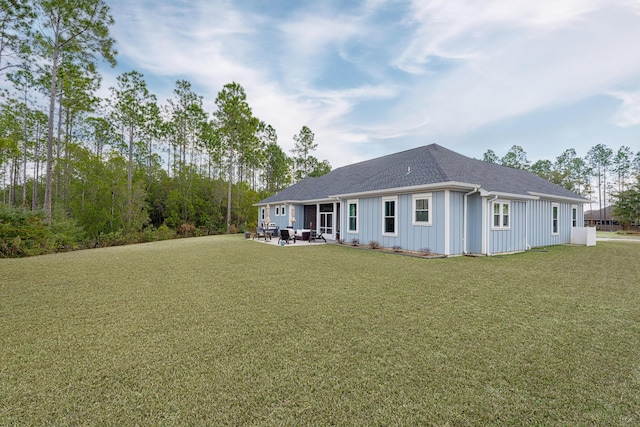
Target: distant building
{"x":602,"y":219}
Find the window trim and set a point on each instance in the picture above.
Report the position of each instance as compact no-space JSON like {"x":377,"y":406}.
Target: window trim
{"x":394,"y":233}
{"x":501,"y":204}
{"x":283,"y":210}
{"x":357,"y":204}
{"x":555,"y":219}
{"x":414,"y":210}
{"x":574,"y":215}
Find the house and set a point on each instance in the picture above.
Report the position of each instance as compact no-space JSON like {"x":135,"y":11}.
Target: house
{"x":430,"y":198}
{"x":602,"y":219}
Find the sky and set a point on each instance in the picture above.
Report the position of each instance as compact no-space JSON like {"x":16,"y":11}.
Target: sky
{"x":375,"y":77}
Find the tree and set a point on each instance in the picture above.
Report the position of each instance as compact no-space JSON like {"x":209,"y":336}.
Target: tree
{"x":133,"y":111}
{"x":277,"y":165}
{"x":627,"y":205}
{"x":101,"y":133}
{"x":490,"y":157}
{"x":622,"y":165}
{"x":10,"y":136}
{"x":544,"y":169}
{"x":16,"y":18}
{"x":516,"y":158}
{"x":302,"y":150}
{"x":186,"y":123}
{"x":636,"y":164}
{"x":73,"y":31}
{"x":235,"y":124}
{"x":319,"y":168}
{"x":599,"y":158}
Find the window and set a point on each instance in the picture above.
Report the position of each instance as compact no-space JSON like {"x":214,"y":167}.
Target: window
{"x":353,"y":216}
{"x":422,"y":209}
{"x":555,"y":212}
{"x":389,"y":216}
{"x":277,"y":210}
{"x":262,"y":214}
{"x":574,"y":216}
{"x":283,"y":210}
{"x":501,"y":215}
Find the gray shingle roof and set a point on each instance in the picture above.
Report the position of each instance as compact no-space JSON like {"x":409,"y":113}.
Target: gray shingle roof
{"x":427,"y":165}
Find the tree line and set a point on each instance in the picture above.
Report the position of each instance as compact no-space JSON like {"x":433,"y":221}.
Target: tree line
{"x":125,"y":165}
{"x":608,"y":176}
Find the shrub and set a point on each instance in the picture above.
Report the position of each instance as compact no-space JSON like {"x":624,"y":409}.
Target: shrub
{"x":355,"y":242}
{"x":187,"y":230}
{"x":114,"y":238}
{"x":397,"y":248}
{"x":24,"y":233}
{"x":67,"y":234}
{"x":165,"y":233}
{"x":373,"y":244}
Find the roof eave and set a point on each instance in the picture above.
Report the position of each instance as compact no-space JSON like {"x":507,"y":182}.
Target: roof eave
{"x":296,"y":202}
{"x":511,"y":196}
{"x":449,"y":185}
{"x":562,"y":198}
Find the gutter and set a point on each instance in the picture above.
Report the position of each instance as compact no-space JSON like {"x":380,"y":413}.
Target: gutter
{"x":449,"y":185}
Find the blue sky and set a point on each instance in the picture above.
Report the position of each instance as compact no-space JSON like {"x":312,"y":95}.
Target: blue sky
{"x":374,"y":77}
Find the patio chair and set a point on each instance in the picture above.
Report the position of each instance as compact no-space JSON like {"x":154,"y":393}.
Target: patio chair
{"x":286,"y":236}
{"x":260,"y":234}
{"x":315,"y":236}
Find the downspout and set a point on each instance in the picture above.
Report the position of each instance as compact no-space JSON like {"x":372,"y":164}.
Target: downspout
{"x":489,"y":227}
{"x":526,"y":226}
{"x":464,"y":221}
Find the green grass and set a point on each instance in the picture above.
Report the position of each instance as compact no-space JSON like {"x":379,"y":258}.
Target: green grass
{"x":223,"y":331}
{"x":617,"y":235}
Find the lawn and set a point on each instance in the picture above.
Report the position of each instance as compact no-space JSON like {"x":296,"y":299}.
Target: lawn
{"x":223,"y":331}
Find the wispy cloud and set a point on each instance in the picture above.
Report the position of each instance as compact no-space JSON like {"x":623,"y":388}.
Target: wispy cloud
{"x":629,"y":113}
{"x":387,"y":73}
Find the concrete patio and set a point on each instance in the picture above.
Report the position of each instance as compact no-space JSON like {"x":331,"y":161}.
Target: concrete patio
{"x":298,"y":243}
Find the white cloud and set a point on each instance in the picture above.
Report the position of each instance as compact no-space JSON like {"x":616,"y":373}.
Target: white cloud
{"x":629,"y":113}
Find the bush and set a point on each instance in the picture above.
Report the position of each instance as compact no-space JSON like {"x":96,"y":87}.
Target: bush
{"x":67,"y":234}
{"x":187,"y":230}
{"x":24,"y":233}
{"x":115,"y":238}
{"x":373,"y":245}
{"x":425,"y":251}
{"x":355,"y":242}
{"x":397,"y":248}
{"x":165,"y":233}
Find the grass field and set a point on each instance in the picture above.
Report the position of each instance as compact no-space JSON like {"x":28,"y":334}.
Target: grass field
{"x":223,"y":331}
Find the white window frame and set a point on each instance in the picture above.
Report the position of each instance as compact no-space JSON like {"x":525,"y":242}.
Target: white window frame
{"x":262,"y":213}
{"x":429,"y":198}
{"x":503,"y":225}
{"x":277,"y":210}
{"x":555,"y":219}
{"x":574,"y":215}
{"x":283,"y":210}
{"x":394,"y":233}
{"x":357,"y":204}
